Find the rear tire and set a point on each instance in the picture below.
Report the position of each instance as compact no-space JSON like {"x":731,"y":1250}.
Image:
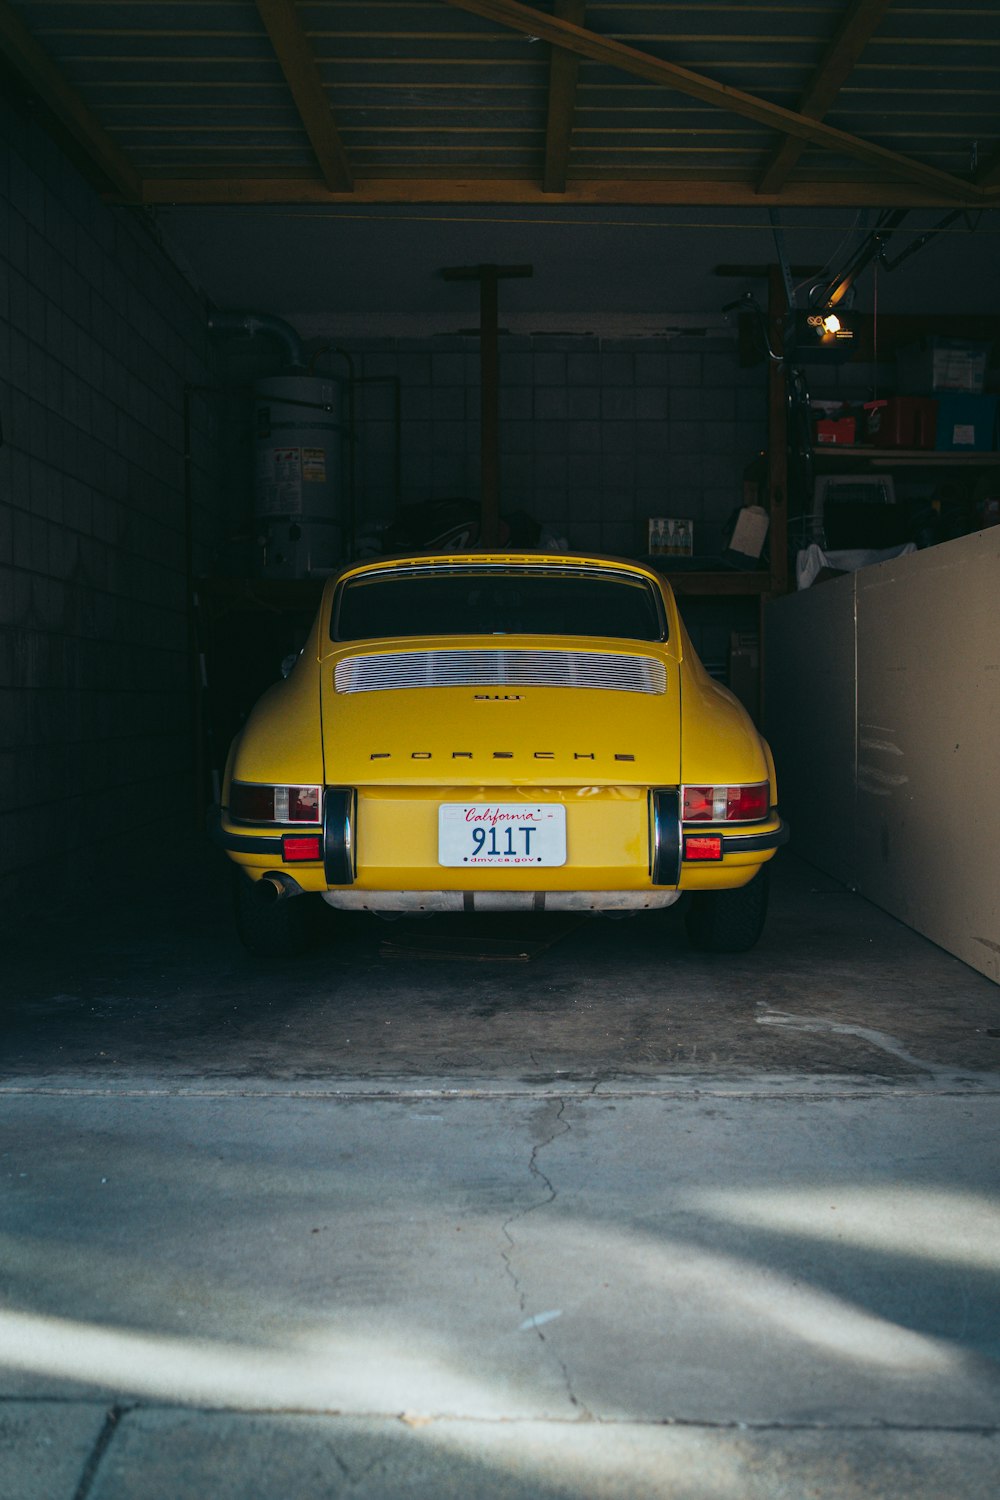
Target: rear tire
{"x":729,"y":921}
{"x":271,"y":929}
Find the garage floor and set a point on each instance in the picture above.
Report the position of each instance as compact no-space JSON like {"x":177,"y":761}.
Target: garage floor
{"x":419,"y":1215}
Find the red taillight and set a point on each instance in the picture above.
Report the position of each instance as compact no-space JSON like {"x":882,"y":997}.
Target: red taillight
{"x":298,"y":846}
{"x":748,"y":804}
{"x":303,"y":804}
{"x":726,"y":804}
{"x":251,"y":802}
{"x":697,"y":807}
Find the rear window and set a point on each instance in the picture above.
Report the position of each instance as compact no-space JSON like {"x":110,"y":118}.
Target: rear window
{"x":490,"y":600}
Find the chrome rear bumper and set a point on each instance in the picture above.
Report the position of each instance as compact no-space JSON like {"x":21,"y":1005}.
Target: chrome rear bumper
{"x":480,"y":901}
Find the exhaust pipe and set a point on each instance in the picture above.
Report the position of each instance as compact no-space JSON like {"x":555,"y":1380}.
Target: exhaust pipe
{"x":275,"y":885}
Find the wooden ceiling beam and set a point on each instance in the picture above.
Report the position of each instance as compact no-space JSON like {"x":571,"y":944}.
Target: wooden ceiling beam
{"x":860,"y":21}
{"x":564,"y":69}
{"x":615,"y":54}
{"x":36,"y":70}
{"x":178,"y":188}
{"x":295,"y":56}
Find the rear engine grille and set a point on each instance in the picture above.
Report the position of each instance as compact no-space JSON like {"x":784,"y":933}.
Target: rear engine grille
{"x":579,"y":669}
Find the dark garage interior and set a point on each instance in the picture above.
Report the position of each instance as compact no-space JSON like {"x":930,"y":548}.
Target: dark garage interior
{"x":544,"y":1205}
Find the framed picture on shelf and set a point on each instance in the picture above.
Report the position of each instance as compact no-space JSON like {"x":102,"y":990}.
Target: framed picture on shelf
{"x":670,"y":536}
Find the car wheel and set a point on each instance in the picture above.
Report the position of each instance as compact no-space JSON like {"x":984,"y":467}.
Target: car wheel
{"x":271,"y":929}
{"x":729,"y":921}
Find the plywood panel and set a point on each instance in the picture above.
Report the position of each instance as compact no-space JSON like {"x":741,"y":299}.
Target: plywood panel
{"x":928,"y":830}
{"x":809,"y":718}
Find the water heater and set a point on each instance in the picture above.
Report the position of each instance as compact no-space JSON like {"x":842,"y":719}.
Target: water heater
{"x":299,"y":508}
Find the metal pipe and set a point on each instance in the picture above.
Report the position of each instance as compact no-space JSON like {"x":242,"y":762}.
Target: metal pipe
{"x":353,"y":382}
{"x":397,"y":413}
{"x":352,"y":438}
{"x":252,"y":324}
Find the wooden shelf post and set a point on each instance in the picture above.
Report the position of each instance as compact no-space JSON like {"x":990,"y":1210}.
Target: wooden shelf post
{"x":777,"y":433}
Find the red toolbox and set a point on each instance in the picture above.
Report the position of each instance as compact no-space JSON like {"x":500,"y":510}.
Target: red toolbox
{"x":841,"y":430}
{"x":901,"y":422}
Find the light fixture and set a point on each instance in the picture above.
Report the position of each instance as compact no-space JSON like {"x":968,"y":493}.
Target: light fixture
{"x":826,"y":326}
{"x":823,"y":334}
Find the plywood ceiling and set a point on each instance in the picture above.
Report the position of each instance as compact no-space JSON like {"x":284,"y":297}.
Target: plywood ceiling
{"x":818,"y":102}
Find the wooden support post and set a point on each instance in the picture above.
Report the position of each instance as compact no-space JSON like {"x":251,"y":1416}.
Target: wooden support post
{"x":489,"y":410}
{"x":777,"y":434}
{"x":489,"y":460}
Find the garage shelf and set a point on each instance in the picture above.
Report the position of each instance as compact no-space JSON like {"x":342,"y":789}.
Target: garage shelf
{"x":724,"y":582}
{"x":888,"y":458}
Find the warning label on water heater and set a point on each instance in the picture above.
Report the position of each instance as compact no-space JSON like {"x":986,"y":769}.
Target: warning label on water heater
{"x":314,"y":466}
{"x":279,"y":481}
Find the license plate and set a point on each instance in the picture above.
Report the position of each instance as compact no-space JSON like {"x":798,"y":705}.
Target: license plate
{"x":505,"y":833}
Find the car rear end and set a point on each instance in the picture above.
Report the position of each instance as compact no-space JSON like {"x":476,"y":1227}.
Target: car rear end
{"x":500,"y":733}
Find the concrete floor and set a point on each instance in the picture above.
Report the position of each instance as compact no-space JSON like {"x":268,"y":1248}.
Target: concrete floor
{"x":617,"y":1220}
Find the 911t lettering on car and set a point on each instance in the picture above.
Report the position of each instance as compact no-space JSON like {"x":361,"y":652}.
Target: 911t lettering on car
{"x":535,"y":731}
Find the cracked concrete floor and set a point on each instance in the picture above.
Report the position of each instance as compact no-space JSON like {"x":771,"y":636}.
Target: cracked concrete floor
{"x":618,"y":1222}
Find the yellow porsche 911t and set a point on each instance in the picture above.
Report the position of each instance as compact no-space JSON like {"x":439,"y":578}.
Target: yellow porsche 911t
{"x":499,"y":732}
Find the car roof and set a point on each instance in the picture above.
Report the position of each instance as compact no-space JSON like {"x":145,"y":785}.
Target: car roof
{"x":499,"y":558}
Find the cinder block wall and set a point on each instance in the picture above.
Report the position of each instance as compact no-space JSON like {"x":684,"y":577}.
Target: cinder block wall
{"x":596,"y":434}
{"x":99,"y":335}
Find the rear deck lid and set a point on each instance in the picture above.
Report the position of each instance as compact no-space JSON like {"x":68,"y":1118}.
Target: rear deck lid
{"x":467,"y":713}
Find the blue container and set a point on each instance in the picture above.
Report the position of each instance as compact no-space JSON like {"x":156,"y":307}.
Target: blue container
{"x":966,"y":424}
{"x":934,"y":364}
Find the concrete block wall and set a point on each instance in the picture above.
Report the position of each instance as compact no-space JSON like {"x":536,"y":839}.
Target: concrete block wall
{"x":99,"y":335}
{"x":596,"y":434}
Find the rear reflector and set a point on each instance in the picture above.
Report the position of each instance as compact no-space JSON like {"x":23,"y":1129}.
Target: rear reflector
{"x":295,"y":846}
{"x":703,"y":846}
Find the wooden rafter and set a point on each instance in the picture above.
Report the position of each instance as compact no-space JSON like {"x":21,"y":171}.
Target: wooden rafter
{"x":35,"y":68}
{"x":839,"y":59}
{"x":564,"y":68}
{"x":291,"y":46}
{"x":617,"y":54}
{"x":178,"y":187}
